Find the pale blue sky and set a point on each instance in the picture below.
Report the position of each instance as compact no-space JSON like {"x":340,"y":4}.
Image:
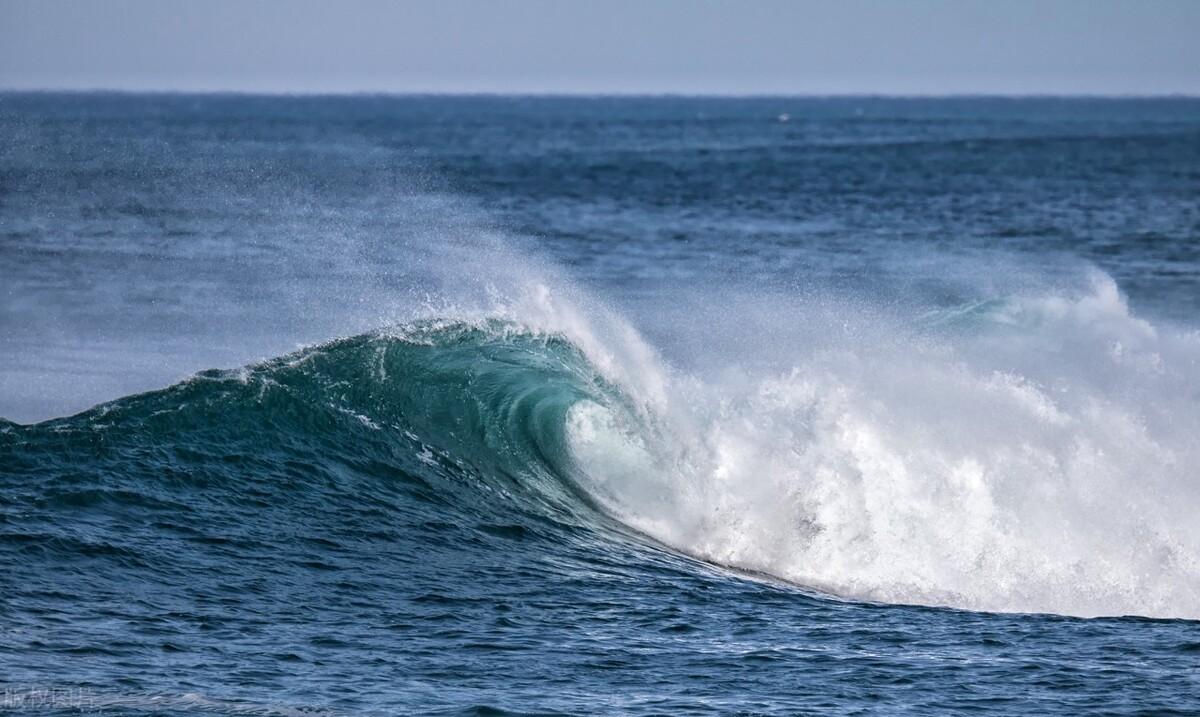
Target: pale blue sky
{"x":646,"y":46}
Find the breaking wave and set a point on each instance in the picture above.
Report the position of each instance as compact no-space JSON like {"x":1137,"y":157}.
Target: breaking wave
{"x":1036,"y":454}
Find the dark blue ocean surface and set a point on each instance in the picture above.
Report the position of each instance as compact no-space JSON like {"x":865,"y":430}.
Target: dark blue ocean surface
{"x":504,"y":405}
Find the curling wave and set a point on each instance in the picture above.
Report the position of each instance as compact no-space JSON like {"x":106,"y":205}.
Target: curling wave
{"x":1028,"y":455}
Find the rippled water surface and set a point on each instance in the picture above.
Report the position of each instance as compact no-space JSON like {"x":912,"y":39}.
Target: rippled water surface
{"x":490,"y":405}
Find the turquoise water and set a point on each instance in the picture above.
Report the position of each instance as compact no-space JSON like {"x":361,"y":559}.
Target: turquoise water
{"x":623,"y":406}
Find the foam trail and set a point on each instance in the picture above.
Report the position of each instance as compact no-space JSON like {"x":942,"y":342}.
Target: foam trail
{"x":1037,"y":456}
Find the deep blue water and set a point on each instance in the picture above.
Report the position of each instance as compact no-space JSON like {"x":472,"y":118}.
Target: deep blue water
{"x":506,"y":405}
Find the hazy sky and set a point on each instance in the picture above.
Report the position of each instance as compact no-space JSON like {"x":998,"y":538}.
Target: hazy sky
{"x":768,"y":46}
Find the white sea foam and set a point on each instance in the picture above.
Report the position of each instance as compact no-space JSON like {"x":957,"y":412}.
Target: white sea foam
{"x":1043,"y":459}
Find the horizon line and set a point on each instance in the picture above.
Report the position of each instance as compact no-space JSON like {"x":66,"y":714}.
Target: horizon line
{"x":613,"y":94}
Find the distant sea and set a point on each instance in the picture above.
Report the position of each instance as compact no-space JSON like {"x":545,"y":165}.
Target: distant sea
{"x":589,"y":405}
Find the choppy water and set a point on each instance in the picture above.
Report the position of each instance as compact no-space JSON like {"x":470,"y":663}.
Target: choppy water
{"x":618,"y":406}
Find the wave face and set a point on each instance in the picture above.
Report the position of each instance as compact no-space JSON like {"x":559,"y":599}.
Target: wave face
{"x":477,"y":410}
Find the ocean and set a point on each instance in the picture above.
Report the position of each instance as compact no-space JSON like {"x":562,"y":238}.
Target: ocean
{"x":491,"y":405}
